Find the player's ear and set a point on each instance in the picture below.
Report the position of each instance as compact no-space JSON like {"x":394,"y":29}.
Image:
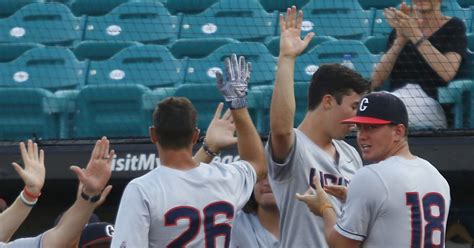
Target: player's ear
{"x":196,"y":133}
{"x":327,"y":101}
{"x":399,"y":131}
{"x":153,"y":136}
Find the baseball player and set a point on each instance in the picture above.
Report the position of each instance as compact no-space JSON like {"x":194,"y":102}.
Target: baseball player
{"x":257,"y":224}
{"x":333,"y":95}
{"x":400,"y":201}
{"x":182,"y":202}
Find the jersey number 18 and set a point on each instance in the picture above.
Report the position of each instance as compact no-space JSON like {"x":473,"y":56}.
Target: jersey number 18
{"x":434,"y":219}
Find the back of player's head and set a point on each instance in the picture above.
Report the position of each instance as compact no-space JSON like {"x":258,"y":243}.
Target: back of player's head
{"x":175,"y":121}
{"x":335,"y":80}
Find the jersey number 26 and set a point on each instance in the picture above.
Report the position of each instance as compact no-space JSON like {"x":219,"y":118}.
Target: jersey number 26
{"x":211,"y":229}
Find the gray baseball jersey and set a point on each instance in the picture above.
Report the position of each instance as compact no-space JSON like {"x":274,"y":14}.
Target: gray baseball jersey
{"x":397,"y":203}
{"x":36,"y":242}
{"x":298,"y":226}
{"x":175,"y":208}
{"x":248,"y":232}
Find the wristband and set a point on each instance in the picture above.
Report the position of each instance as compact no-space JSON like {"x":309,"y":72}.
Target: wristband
{"x":237,"y":103}
{"x":26,"y":202}
{"x":89,"y":198}
{"x":324,"y":206}
{"x":31,"y":195}
{"x":208,"y":151}
{"x":418,"y":43}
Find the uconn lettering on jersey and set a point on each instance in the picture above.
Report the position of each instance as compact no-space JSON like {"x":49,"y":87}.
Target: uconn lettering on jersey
{"x":327,"y":179}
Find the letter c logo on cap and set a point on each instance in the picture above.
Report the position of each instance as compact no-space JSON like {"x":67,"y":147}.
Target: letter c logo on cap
{"x":363,"y":104}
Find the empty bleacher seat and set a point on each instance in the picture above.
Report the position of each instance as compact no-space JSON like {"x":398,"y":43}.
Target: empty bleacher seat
{"x":51,"y":68}
{"x":95,"y":8}
{"x":452,"y":8}
{"x":149,"y":65}
{"x":11,"y":51}
{"x":146,"y":22}
{"x":455,"y":95}
{"x":282,"y":5}
{"x":342,"y":19}
{"x":263,"y":63}
{"x":100,"y":50}
{"x":379,"y":25}
{"x":273,"y":44}
{"x":188,"y":6}
{"x":378,"y":4}
{"x":198,"y":48}
{"x":205,"y":98}
{"x":244,"y":20}
{"x":24,"y":115}
{"x":376,"y":45}
{"x":466,"y":3}
{"x":9,"y":7}
{"x":47,"y":23}
{"x":111,"y":110}
{"x":470,"y":41}
{"x":333,"y":52}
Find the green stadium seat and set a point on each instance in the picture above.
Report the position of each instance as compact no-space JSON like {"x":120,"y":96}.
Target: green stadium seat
{"x":24,"y":115}
{"x":149,"y":65}
{"x":95,"y":8}
{"x":51,"y":68}
{"x":273,"y":44}
{"x":282,"y":5}
{"x":470,"y":41}
{"x":112,"y":111}
{"x":11,"y":51}
{"x":205,"y":98}
{"x":341,"y":19}
{"x":9,"y":7}
{"x":100,"y":50}
{"x":379,"y":25}
{"x":378,"y":4}
{"x":376,"y":45}
{"x":466,"y":3}
{"x":454,"y":95}
{"x":63,"y":28}
{"x":198,"y":48}
{"x":263,"y":63}
{"x":333,"y":52}
{"x":244,"y":20}
{"x":188,"y":6}
{"x":146,"y":22}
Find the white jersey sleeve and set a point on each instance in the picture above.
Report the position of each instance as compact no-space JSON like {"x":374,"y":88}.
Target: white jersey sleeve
{"x":133,"y":214}
{"x":244,"y":181}
{"x":36,"y":242}
{"x":282,"y":170}
{"x":365,"y":197}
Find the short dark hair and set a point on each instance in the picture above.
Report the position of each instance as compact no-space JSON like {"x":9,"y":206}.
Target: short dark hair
{"x":175,"y":121}
{"x":335,"y":80}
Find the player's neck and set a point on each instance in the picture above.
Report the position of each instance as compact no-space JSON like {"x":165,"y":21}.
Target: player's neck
{"x":270,"y":220}
{"x":315,"y":132}
{"x":177,"y":159}
{"x":402,"y":150}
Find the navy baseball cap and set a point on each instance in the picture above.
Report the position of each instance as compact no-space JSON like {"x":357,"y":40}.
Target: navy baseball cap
{"x":96,"y":233}
{"x":380,"y":108}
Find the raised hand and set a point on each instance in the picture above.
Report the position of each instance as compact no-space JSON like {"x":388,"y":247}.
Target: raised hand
{"x":291,"y":44}
{"x":315,"y":199}
{"x":99,"y":169}
{"x":235,"y":87}
{"x":220,"y":132}
{"x":34,"y":172}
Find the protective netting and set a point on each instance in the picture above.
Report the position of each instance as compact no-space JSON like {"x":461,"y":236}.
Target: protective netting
{"x":77,"y":69}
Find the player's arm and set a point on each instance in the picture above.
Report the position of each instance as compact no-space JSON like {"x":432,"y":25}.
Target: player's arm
{"x":33,"y":176}
{"x":282,"y":110}
{"x":93,"y":180}
{"x":234,"y":89}
{"x":219,"y":135}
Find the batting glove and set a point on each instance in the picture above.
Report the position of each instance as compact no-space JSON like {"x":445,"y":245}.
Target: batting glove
{"x":235,"y":87}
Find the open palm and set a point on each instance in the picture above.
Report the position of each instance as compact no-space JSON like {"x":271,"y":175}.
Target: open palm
{"x":291,"y":44}
{"x":34,"y":172}
{"x":220,"y":132}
